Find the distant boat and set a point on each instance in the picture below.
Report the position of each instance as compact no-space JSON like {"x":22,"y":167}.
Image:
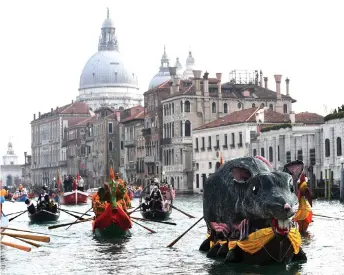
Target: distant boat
{"x":74,"y":197}
{"x":20,"y":196}
{"x":44,"y":216}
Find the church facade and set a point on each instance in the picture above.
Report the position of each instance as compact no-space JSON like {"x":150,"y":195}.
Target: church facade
{"x":11,"y":171}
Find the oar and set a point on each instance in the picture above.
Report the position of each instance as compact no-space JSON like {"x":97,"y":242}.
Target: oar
{"x":80,"y":217}
{"x":73,"y":211}
{"x":70,"y":223}
{"x":37,"y":238}
{"x":134,"y":210}
{"x":317,"y":215}
{"x":14,"y":213}
{"x":21,"y":247}
{"x":28,"y":242}
{"x":20,"y":230}
{"x":11,"y":219}
{"x":150,"y":230}
{"x":75,"y":216}
{"x":176,"y":240}
{"x":190,"y":216}
{"x":140,"y":219}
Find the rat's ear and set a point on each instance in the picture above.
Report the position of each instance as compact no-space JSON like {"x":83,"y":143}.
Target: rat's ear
{"x":294,"y":168}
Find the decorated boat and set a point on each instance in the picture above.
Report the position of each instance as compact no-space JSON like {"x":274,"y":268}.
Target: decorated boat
{"x":46,"y":210}
{"x":255,"y":205}
{"x":158,"y":206}
{"x":110,"y":206}
{"x":74,"y":197}
{"x":20,"y":195}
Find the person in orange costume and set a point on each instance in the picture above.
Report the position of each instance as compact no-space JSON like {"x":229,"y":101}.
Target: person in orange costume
{"x":304,"y":214}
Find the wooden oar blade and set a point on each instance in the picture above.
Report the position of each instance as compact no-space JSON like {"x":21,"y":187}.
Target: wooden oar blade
{"x":146,"y":220}
{"x":21,"y":247}
{"x":70,"y":223}
{"x":150,"y":230}
{"x":37,"y":238}
{"x":28,"y":242}
{"x":11,"y":219}
{"x":186,"y":214}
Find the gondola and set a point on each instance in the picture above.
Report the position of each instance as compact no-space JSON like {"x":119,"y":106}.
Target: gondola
{"x":44,"y":216}
{"x":156,"y":214}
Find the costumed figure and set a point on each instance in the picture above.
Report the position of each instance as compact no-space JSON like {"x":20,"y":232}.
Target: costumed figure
{"x":304,"y":214}
{"x":156,"y":198}
{"x":30,"y":206}
{"x":80,"y":184}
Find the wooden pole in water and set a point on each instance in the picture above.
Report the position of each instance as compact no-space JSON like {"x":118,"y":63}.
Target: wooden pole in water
{"x":325,"y":184}
{"x":341,"y":186}
{"x":329,"y":183}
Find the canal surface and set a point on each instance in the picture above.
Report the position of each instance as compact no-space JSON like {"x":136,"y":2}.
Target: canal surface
{"x":78,"y":252}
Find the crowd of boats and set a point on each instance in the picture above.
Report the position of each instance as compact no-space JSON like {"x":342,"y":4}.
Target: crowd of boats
{"x":112,"y":209}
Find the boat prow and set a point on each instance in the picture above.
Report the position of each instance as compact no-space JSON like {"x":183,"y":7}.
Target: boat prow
{"x":74,"y":197}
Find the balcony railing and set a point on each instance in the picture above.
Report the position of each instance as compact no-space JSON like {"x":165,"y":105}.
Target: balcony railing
{"x":129,"y":143}
{"x":166,"y":141}
{"x":173,"y":168}
{"x":150,"y":159}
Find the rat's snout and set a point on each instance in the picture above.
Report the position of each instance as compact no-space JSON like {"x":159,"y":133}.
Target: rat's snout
{"x":287,"y":207}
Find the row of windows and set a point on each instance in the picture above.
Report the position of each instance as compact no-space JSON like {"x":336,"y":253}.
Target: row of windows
{"x":288,"y":155}
{"x":185,"y":129}
{"x":217,"y":142}
{"x":338,"y":147}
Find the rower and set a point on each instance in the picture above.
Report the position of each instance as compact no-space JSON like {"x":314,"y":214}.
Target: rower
{"x":156,"y":198}
{"x":30,"y":207}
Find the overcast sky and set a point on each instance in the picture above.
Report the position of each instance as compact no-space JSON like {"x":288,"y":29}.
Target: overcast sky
{"x":45,"y":44}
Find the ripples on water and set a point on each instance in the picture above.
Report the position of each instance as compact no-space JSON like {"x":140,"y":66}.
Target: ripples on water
{"x":78,"y":252}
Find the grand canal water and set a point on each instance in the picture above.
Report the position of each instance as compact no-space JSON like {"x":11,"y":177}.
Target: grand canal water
{"x":78,"y":252}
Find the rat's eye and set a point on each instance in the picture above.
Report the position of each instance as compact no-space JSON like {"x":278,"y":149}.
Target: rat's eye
{"x":255,"y":190}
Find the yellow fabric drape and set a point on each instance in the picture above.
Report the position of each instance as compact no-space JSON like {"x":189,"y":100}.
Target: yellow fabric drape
{"x":257,"y":240}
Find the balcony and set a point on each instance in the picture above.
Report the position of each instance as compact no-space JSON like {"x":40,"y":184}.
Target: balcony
{"x":63,"y":163}
{"x":150,"y":159}
{"x":129,"y":143}
{"x":130,"y":166}
{"x":173,"y":168}
{"x":182,"y":140}
{"x":166,"y":141}
{"x":147,"y":132}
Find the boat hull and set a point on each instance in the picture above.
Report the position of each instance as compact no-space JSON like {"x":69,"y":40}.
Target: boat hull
{"x":156,"y":214}
{"x":74,"y":197}
{"x":112,"y":231}
{"x":44,"y":216}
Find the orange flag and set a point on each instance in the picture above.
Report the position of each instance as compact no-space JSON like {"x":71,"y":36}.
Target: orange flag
{"x":112,"y":175}
{"x":221,"y":159}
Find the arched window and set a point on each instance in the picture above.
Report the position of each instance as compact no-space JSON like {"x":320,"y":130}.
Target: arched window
{"x":172,"y":108}
{"x":262,"y":153}
{"x":285,"y":108}
{"x":327,"y":148}
{"x":165,"y":113}
{"x":213,"y":107}
{"x":254,"y":152}
{"x":253,"y":105}
{"x":262,"y":105}
{"x":172,"y":129}
{"x":181,"y":106}
{"x":239,"y":105}
{"x":339,"y":146}
{"x":187,"y":128}
{"x":225,"y":108}
{"x":271,"y":156}
{"x":110,"y":146}
{"x":271,"y":107}
{"x":181,"y":128}
{"x":187,"y":106}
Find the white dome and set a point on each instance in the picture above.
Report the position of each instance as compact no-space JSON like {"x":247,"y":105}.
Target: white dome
{"x":106,"y":69}
{"x":158,"y":79}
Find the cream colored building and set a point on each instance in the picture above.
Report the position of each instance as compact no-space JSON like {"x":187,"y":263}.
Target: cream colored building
{"x":193,"y":103}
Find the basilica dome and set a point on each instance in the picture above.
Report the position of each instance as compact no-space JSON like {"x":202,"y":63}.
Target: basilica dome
{"x":106,"y":69}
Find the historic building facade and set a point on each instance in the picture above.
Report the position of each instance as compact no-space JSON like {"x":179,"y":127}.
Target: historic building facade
{"x":106,"y":80}
{"x":10,"y":170}
{"x":47,"y":130}
{"x":132,"y":123}
{"x":196,"y":102}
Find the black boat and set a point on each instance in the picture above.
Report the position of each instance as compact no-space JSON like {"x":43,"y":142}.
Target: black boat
{"x":44,"y":216}
{"x":155,"y":214}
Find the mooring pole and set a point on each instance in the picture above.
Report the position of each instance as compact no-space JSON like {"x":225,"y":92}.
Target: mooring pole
{"x":341,"y":186}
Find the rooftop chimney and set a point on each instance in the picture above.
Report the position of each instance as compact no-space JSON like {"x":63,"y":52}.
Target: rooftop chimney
{"x":175,"y":81}
{"x":206,"y":84}
{"x":265,"y":82}
{"x":292,"y":117}
{"x":278,"y":78}
{"x":287,"y":85}
{"x":39,"y":114}
{"x":261,"y":78}
{"x":219,"y":77}
{"x":197,"y":77}
{"x":34,"y":116}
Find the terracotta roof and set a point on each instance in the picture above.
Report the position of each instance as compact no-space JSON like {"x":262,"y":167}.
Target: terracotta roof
{"x":86,"y":121}
{"x":247,"y":115}
{"x":74,"y":108}
{"x":137,"y":116}
{"x":309,"y":118}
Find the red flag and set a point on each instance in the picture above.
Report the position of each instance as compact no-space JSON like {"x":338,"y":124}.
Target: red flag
{"x":58,"y":182}
{"x":221,"y":159}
